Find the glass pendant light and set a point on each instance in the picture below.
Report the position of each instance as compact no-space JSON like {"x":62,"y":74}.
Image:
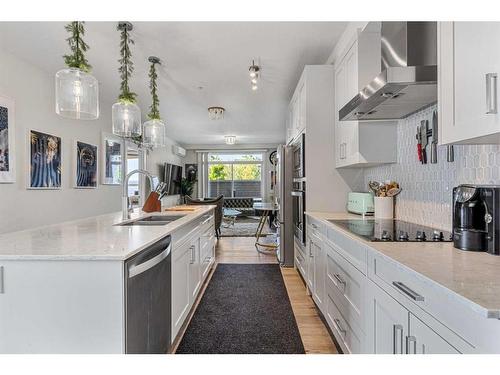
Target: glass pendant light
{"x":154,"y":129}
{"x":125,"y":113}
{"x":77,"y":91}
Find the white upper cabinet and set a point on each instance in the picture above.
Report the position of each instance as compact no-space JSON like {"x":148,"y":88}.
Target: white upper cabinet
{"x":468,"y":68}
{"x":297,"y":112}
{"x":361,"y":144}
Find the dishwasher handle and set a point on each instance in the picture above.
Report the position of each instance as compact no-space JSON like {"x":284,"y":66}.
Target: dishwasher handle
{"x":149,"y":258}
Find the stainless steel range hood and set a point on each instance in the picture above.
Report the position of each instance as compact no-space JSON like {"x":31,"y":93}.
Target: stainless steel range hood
{"x":408,"y":81}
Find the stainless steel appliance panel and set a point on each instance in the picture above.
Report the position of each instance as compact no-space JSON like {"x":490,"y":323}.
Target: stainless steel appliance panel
{"x":148,"y":300}
{"x":299,"y":209}
{"x":285,"y":252}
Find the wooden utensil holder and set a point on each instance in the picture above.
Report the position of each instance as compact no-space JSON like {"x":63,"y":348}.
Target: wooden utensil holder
{"x":152,"y":203}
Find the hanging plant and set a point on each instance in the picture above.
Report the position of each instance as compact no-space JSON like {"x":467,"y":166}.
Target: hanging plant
{"x":154,"y":112}
{"x":78,"y":47}
{"x":126,"y":65}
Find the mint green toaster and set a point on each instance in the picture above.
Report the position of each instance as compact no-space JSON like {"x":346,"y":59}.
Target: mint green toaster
{"x":360,"y":203}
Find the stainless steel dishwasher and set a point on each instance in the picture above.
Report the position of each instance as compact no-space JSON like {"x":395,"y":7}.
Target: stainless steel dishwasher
{"x":148,"y":299}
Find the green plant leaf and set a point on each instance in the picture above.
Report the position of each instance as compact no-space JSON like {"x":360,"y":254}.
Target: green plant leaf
{"x":77,"y":46}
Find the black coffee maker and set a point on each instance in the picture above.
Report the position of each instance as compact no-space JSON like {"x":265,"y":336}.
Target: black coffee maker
{"x":476,"y":218}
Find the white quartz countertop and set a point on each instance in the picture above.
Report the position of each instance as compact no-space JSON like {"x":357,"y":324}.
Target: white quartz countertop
{"x":473,"y":275}
{"x":94,"y":238}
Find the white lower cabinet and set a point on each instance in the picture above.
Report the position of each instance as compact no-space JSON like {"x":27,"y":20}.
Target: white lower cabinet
{"x":181,"y":291}
{"x":319,"y":271}
{"x":387,"y":325}
{"x":192,"y":258}
{"x":373,"y":304}
{"x":423,"y":340}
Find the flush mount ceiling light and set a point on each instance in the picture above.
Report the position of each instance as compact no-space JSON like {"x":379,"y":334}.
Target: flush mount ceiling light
{"x":77,"y":91}
{"x":125,"y":113}
{"x":216,"y":113}
{"x":154,"y":129}
{"x":254,"y":75}
{"x":230,"y":139}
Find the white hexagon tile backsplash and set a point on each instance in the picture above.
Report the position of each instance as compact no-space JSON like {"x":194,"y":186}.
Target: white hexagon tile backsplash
{"x":427,"y":188}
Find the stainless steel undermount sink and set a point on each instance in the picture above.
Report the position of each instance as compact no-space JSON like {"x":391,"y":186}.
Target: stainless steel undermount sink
{"x":153,"y":220}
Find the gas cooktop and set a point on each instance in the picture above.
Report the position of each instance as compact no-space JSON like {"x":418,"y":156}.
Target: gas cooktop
{"x":388,"y":230}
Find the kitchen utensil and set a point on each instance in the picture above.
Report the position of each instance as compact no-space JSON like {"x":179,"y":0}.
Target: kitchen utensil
{"x":419,"y":144}
{"x":393,"y":191}
{"x":374,"y":185}
{"x":450,"y":154}
{"x":434,"y":138}
{"x":424,"y":127}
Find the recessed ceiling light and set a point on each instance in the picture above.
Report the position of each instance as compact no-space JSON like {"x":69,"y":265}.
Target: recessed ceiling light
{"x":230,"y":139}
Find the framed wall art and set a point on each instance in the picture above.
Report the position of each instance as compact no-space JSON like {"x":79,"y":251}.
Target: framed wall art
{"x":7,"y":134}
{"x":112,"y":159}
{"x":85,"y":165}
{"x":44,"y":161}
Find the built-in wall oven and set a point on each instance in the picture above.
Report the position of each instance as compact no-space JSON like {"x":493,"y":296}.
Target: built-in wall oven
{"x":299,"y":188}
{"x":299,"y":208}
{"x":298,"y":157}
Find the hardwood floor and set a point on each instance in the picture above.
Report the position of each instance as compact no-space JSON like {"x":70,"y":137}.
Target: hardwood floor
{"x":313,"y":332}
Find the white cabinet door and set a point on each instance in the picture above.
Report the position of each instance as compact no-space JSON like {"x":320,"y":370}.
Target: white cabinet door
{"x":423,"y":340}
{"x":181,"y":259}
{"x":476,"y":60}
{"x":302,"y":108}
{"x":309,"y":265}
{"x":319,"y":273}
{"x":469,"y":65}
{"x":387,"y":325}
{"x":194,"y":269}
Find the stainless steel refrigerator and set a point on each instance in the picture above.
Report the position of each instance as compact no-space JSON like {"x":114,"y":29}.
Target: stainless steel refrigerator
{"x":284,"y":183}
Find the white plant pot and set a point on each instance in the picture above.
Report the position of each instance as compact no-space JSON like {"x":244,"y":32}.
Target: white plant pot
{"x":384,"y":207}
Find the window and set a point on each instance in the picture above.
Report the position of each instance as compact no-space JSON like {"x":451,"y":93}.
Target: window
{"x":235,"y":175}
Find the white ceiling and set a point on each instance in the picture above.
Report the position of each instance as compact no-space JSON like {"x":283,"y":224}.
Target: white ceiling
{"x":204,"y":64}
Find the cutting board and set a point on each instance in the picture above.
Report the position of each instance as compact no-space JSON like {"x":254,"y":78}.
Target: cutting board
{"x":182,"y":208}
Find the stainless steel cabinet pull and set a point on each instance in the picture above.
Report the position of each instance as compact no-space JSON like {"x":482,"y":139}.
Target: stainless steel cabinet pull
{"x":411,"y":340}
{"x":311,"y":243}
{"x":397,"y":329}
{"x":339,"y":326}
{"x":206,"y":221}
{"x":491,"y":93}
{"x":410,"y":293}
{"x":192,"y":254}
{"x":339,"y":279}
{"x":314,"y":226}
{"x":2,"y":289}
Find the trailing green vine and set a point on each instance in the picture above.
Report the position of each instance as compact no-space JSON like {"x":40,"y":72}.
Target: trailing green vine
{"x":126,"y":65}
{"x":78,"y":47}
{"x":154,"y":113}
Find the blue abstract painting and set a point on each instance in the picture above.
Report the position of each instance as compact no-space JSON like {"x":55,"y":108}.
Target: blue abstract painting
{"x":86,"y":165}
{"x":45,"y":161}
{"x":4,"y":139}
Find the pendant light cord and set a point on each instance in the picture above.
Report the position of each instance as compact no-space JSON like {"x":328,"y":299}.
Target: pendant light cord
{"x":77,"y":46}
{"x":154,"y":113}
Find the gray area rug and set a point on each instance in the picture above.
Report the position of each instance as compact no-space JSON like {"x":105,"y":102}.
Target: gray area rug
{"x":244,"y":227}
{"x":245,"y":310}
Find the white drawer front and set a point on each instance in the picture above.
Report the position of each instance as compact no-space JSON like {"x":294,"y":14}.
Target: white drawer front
{"x":300,"y":263}
{"x":315,"y":227}
{"x":346,"y":284}
{"x":451,"y":315}
{"x":354,"y":251}
{"x":346,"y":336}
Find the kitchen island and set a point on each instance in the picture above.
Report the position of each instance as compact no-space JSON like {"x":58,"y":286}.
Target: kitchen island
{"x":63,"y":287}
{"x":376,"y":295}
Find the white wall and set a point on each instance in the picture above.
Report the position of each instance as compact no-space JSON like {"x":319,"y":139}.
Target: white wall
{"x":156,"y":158}
{"x":20,"y":208}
